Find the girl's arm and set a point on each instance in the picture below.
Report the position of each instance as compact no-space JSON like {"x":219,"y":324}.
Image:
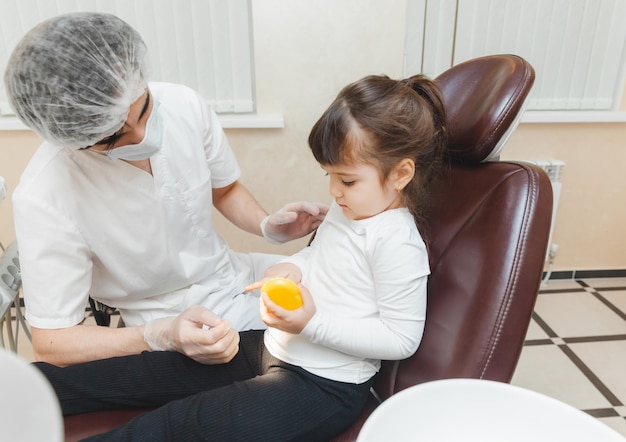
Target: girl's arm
{"x":400,"y":272}
{"x":391,"y":335}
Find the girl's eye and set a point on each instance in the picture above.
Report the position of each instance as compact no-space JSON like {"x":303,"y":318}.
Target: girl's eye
{"x":347,"y":183}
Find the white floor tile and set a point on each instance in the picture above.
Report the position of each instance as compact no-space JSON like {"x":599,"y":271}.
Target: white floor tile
{"x":607,"y":360}
{"x":546,"y":369}
{"x":535,"y":332}
{"x":617,"y":298}
{"x":605,"y":282}
{"x":578,"y":314}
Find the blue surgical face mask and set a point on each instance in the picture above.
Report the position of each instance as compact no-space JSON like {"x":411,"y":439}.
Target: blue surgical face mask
{"x":151,"y":143}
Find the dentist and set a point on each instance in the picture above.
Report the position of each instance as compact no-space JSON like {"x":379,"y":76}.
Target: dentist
{"x":117,"y":202}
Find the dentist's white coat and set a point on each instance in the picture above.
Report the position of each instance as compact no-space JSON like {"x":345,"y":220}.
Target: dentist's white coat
{"x":146,"y":244}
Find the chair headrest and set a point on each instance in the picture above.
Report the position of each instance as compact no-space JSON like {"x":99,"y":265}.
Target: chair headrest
{"x":484,"y":99}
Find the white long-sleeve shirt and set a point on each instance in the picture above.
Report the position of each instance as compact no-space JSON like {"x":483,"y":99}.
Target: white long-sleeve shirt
{"x":368,"y":281}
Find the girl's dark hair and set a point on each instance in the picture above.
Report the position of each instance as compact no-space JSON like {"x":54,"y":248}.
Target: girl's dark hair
{"x":382,"y":121}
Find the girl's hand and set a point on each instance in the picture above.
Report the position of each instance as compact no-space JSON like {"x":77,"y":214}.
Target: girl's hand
{"x":290,"y":321}
{"x":280,"y":270}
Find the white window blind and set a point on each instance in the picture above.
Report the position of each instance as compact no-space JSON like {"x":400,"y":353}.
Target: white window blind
{"x":204,"y":44}
{"x":577,"y":47}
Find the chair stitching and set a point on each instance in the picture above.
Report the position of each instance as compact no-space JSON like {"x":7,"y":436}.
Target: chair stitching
{"x":513,"y":281}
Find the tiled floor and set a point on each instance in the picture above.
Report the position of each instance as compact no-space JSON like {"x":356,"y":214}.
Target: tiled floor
{"x":575,"y":348}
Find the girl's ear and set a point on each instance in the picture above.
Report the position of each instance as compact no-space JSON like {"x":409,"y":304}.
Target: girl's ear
{"x":403,"y":173}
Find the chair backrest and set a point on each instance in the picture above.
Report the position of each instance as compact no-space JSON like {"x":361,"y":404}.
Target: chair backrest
{"x":487,"y":230}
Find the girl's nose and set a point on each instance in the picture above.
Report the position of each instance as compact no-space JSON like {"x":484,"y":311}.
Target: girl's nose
{"x":335,"y":190}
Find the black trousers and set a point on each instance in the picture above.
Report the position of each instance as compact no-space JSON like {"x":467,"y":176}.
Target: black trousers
{"x":255,"y":397}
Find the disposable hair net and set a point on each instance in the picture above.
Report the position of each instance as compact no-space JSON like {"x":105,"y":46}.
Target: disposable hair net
{"x":72,"y":78}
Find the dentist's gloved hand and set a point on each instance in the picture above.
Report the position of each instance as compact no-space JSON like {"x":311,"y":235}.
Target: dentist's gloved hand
{"x":293,"y":221}
{"x":186,"y":334}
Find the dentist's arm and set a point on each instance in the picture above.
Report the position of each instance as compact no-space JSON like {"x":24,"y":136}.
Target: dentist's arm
{"x":293,"y":221}
{"x":183,"y":333}
{"x":81,"y":343}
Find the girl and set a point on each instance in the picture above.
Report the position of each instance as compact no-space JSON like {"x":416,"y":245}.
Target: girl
{"x":363,"y":283}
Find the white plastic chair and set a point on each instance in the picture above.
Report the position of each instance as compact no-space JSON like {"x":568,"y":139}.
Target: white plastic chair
{"x":475,"y":410}
{"x":29,"y":410}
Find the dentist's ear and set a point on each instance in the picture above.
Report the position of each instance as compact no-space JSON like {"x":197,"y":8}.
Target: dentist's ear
{"x":403,"y":173}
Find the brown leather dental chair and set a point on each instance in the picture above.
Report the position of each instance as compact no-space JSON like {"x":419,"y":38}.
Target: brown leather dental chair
{"x":487,"y":231}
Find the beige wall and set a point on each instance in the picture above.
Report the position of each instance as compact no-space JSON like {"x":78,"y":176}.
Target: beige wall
{"x":16,"y":148}
{"x":590,"y":226}
{"x":305,"y":52}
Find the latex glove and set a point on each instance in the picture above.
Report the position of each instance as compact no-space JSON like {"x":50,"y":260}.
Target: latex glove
{"x":293,"y":221}
{"x":197,"y":333}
